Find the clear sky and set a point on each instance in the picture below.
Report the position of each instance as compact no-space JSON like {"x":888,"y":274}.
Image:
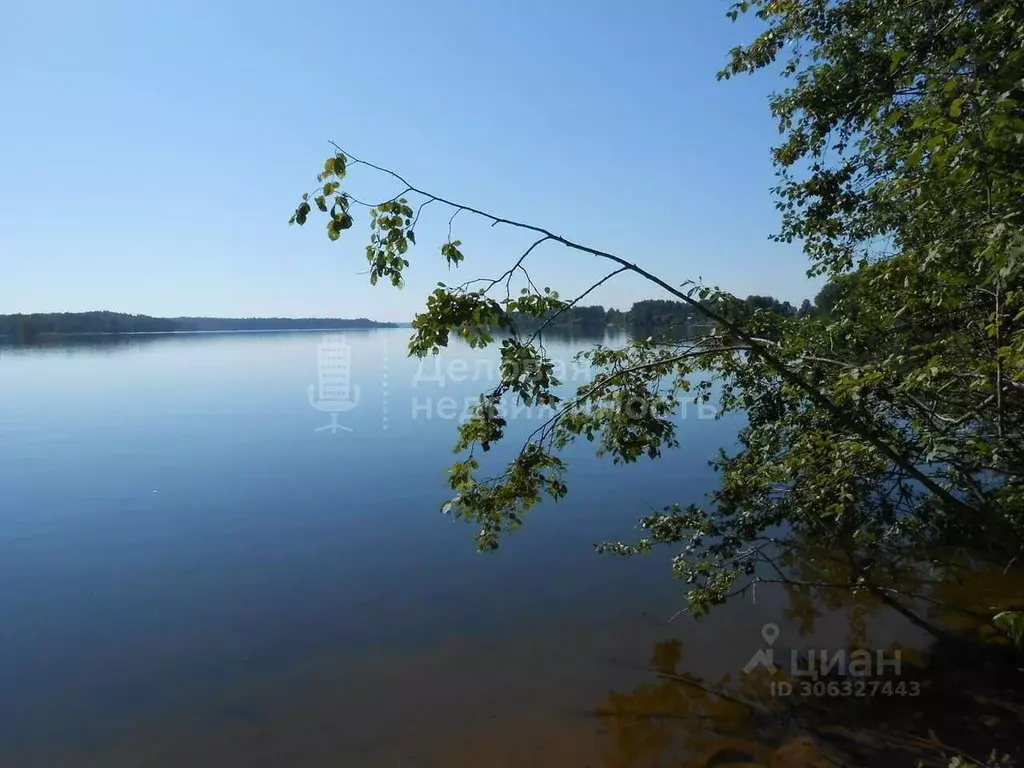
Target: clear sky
{"x":153,"y":152}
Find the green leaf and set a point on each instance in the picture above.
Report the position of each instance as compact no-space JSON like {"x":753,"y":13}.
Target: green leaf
{"x":1012,"y":623}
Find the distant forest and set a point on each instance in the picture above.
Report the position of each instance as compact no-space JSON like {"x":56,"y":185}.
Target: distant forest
{"x":26,"y":328}
{"x":646,"y":316}
{"x":655,"y":314}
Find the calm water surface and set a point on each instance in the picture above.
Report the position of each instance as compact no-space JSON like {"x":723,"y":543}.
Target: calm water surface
{"x":194,"y":572}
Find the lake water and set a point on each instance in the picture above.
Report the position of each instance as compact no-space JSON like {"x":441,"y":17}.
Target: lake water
{"x":194,"y":572}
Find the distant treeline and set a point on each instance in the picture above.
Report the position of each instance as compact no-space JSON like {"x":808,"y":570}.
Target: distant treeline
{"x":26,"y":328}
{"x":645,"y":316}
{"x":274,"y":323}
{"x":659,"y":314}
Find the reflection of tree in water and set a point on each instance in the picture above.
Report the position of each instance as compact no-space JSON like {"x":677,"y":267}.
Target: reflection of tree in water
{"x":971,"y":699}
{"x":684,"y":719}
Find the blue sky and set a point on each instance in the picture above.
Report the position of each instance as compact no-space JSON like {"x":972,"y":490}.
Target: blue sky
{"x":152,"y":152}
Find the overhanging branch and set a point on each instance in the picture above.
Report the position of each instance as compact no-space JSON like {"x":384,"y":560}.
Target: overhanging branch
{"x":858,"y":425}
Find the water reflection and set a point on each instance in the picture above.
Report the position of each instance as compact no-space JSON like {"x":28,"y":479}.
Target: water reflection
{"x":199,"y":578}
{"x":105,"y":341}
{"x":959,"y":695}
{"x":689,"y":721}
{"x":126,"y":342}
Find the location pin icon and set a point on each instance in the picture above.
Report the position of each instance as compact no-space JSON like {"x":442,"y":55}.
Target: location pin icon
{"x":770,"y":633}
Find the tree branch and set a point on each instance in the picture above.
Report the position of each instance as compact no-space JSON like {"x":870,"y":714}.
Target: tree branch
{"x":842,"y":415}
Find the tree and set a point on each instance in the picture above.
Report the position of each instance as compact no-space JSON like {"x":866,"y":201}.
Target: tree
{"x":840,"y":289}
{"x":889,"y":424}
{"x":901,"y":172}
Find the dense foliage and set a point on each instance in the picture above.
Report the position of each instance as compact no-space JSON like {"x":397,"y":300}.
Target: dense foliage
{"x":885,"y":420}
{"x":901,"y":173}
